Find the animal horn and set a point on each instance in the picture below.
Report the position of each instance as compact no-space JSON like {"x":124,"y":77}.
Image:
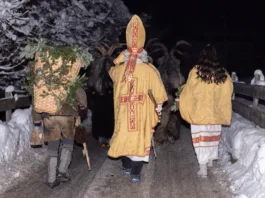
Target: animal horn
{"x":101,"y":49}
{"x":179,"y":43}
{"x":163,"y":47}
{"x":182,"y":42}
{"x":115,"y":46}
{"x":149,"y":42}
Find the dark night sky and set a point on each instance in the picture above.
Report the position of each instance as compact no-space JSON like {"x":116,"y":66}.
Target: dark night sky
{"x":237,"y":29}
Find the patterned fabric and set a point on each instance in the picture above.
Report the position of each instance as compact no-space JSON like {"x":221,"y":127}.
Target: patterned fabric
{"x":145,"y":158}
{"x":206,"y":104}
{"x":205,"y":139}
{"x":135,"y":115}
{"x":135,"y":38}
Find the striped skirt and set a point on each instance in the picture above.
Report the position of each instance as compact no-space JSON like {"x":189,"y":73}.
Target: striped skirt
{"x":205,"y":139}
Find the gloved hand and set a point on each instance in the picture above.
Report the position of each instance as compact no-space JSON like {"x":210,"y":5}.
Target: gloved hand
{"x":159,"y":108}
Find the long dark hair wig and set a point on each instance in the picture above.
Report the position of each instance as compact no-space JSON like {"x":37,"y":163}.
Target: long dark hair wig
{"x":209,"y":68}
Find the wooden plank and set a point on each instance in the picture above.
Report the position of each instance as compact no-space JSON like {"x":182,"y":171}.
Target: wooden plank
{"x":249,"y":113}
{"x":8,"y":112}
{"x":10,"y":103}
{"x":254,"y":91}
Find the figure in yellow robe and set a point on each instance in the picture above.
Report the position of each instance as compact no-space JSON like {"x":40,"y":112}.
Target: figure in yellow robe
{"x":206,"y":103}
{"x":135,"y":113}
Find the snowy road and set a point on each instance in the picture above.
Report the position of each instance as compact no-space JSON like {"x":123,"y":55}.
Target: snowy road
{"x":173,"y":174}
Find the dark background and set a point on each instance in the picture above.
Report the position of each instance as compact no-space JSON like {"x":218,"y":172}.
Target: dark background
{"x":236,"y":28}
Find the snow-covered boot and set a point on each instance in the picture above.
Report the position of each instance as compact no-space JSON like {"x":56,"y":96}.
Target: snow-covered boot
{"x":65,"y":160}
{"x":52,"y":168}
{"x":203,"y":170}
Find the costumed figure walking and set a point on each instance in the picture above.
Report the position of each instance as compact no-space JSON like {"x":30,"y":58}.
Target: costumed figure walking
{"x":135,"y":113}
{"x":205,"y":103}
{"x":58,"y":97}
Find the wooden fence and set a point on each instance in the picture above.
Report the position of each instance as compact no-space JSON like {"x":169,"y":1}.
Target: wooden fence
{"x":252,"y":111}
{"x":9,"y":103}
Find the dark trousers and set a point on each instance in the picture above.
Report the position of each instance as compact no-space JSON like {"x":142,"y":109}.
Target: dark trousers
{"x":53,"y":146}
{"x":135,"y":166}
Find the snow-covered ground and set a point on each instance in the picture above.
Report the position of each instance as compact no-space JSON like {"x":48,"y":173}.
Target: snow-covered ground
{"x":242,"y":140}
{"x":244,"y":144}
{"x":17,"y":157}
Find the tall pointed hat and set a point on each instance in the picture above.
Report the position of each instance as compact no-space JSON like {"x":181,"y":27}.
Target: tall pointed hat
{"x":135,"y":39}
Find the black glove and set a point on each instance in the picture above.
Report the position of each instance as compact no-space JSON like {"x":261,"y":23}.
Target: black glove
{"x":45,"y":115}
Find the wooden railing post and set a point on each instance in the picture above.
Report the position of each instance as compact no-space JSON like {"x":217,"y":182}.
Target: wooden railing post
{"x":8,"y":112}
{"x":234,"y":79}
{"x":241,"y":104}
{"x":256,"y":100}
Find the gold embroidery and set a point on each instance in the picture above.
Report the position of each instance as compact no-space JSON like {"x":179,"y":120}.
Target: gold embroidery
{"x":131,"y":100}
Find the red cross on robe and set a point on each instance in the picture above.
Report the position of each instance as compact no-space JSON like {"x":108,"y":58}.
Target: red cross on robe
{"x":132,"y":99}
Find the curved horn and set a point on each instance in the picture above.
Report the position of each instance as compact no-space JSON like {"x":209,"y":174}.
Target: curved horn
{"x":182,"y":42}
{"x":173,"y":50}
{"x":179,"y":43}
{"x":115,"y":46}
{"x":149,"y":42}
{"x":101,"y":49}
{"x":150,"y":59}
{"x":163,"y":47}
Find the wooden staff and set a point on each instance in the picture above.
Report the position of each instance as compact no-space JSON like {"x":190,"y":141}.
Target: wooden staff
{"x":150,"y":93}
{"x":81,"y":138}
{"x":85,"y":153}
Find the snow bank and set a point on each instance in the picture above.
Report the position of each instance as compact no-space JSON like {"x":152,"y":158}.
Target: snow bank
{"x":16,"y":155}
{"x":246,"y":143}
{"x":15,"y":135}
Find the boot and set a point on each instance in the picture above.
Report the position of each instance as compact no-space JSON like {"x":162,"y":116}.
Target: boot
{"x":65,"y":160}
{"x":126,"y":171}
{"x":103,"y":141}
{"x":52,"y":167}
{"x":136,"y":171}
{"x":135,"y":178}
{"x":203,"y":170}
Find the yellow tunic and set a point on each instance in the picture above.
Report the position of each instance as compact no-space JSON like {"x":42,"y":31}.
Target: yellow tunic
{"x":206,"y":104}
{"x":135,"y":115}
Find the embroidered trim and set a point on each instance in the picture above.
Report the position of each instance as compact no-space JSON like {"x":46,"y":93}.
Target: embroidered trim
{"x":128,"y":74}
{"x":206,"y":132}
{"x":131,"y":100}
{"x":206,"y":139}
{"x":197,"y":147}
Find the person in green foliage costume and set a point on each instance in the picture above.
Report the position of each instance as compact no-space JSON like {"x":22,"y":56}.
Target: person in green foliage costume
{"x":59,"y":127}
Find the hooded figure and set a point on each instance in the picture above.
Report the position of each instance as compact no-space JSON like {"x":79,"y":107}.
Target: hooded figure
{"x":135,"y":113}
